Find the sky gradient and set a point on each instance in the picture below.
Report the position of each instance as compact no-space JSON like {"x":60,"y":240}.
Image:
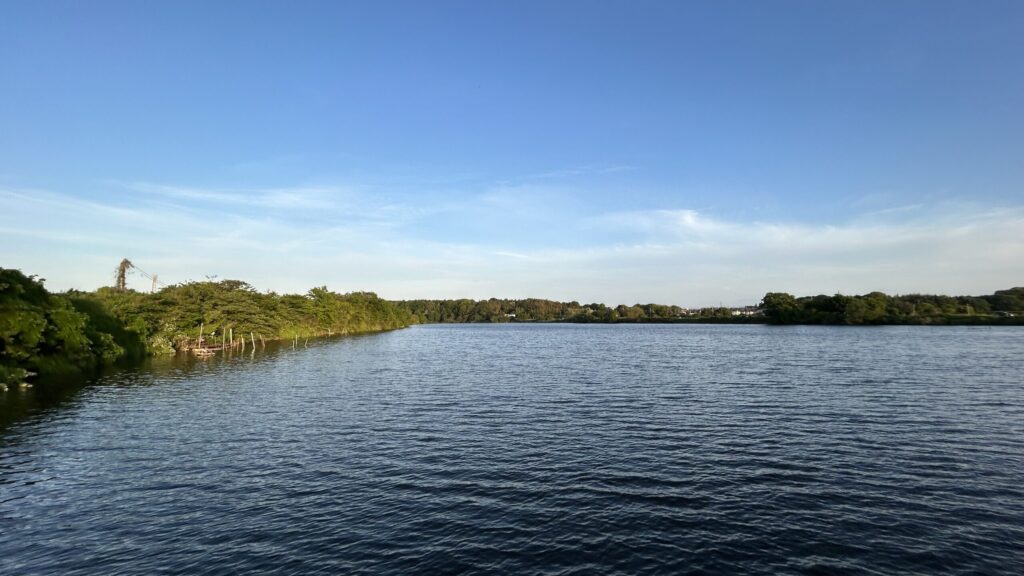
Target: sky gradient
{"x":690,"y":153}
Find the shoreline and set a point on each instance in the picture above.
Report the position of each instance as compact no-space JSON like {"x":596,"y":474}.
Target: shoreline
{"x":928,"y":321}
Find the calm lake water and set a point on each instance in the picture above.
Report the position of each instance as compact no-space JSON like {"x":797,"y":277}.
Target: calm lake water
{"x":535,"y":449}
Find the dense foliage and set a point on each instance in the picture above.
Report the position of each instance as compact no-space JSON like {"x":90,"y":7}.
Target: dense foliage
{"x":76,"y":331}
{"x":44,"y":333}
{"x":1004,"y":306}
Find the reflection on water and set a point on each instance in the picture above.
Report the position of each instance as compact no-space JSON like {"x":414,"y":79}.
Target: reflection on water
{"x":533,"y":449}
{"x":18,"y":404}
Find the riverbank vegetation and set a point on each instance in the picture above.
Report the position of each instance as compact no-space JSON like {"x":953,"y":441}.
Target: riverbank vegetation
{"x":44,"y":333}
{"x":75,"y":331}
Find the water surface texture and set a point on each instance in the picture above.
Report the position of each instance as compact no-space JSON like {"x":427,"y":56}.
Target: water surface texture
{"x":536,"y":449}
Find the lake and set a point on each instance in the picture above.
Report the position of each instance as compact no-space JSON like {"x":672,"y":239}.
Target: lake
{"x":534,"y":449}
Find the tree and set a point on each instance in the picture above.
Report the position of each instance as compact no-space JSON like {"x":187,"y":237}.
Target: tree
{"x":779,"y":307}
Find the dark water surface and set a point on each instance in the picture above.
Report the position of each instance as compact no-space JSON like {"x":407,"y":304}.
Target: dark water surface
{"x":536,"y":449}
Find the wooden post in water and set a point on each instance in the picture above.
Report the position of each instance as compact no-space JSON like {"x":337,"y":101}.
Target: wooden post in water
{"x":200,"y":343}
{"x":253,"y":340}
{"x":231,"y":337}
{"x":306,"y":343}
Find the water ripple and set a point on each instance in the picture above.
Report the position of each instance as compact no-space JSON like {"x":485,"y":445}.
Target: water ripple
{"x":533,"y":449}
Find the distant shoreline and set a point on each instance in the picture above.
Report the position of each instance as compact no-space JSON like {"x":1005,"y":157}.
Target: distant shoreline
{"x":968,"y":321}
{"x":1004,"y":307}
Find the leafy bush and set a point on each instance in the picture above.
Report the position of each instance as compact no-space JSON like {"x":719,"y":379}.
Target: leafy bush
{"x":43,"y":333}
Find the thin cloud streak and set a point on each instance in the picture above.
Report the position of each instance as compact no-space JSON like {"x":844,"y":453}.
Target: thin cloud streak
{"x":300,"y":198}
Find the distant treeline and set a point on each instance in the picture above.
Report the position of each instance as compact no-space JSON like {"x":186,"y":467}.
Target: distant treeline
{"x":50,"y":334}
{"x":1002,"y":307}
{"x":539,"y":310}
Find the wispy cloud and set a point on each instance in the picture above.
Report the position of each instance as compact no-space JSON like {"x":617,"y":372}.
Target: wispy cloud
{"x":352,"y":240}
{"x":567,"y":174}
{"x":298,"y":198}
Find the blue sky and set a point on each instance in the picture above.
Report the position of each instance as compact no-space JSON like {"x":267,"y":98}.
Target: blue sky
{"x":677,"y":152}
